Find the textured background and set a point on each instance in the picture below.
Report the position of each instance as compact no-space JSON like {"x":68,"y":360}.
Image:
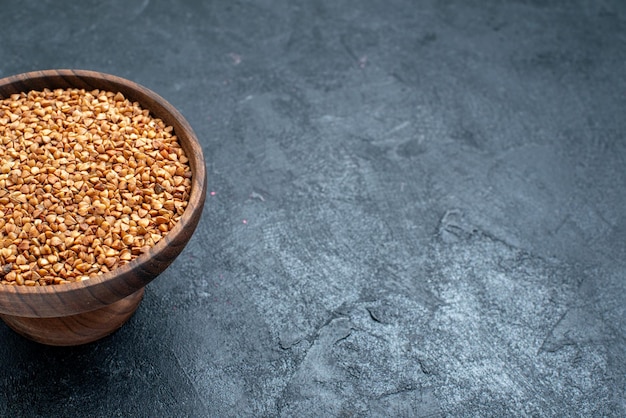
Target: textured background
{"x":418,"y":210}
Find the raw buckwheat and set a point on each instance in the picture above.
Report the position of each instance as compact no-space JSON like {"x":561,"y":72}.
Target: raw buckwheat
{"x":88,"y":181}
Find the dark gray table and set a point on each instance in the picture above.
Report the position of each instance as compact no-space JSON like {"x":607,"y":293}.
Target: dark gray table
{"x":418,"y":210}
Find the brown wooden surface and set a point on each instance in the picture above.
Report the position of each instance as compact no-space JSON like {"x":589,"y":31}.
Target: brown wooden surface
{"x":103,"y":290}
{"x":77,"y":329}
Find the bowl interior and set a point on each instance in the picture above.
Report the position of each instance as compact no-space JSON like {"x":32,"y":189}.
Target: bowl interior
{"x":100,"y":291}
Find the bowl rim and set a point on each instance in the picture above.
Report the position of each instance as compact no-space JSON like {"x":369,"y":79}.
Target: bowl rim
{"x":196,"y":198}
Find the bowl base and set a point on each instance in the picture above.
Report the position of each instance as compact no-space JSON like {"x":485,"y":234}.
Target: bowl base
{"x":76,"y":329}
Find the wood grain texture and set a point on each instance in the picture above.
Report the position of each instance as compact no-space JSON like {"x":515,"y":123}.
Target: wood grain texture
{"x":77,"y":329}
{"x":106,"y":289}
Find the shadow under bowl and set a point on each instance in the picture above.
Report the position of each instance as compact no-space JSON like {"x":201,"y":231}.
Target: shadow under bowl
{"x":85,"y":311}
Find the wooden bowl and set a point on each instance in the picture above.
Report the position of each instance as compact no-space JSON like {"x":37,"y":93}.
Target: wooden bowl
{"x":85,"y":311}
